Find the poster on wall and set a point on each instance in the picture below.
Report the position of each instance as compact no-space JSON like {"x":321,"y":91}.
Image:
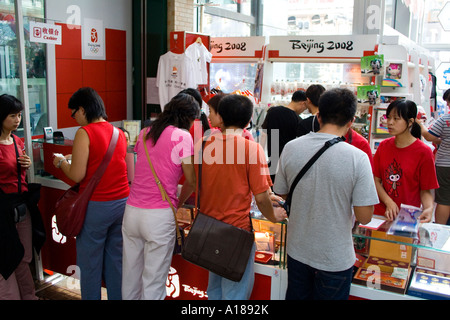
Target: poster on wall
{"x":93,"y":40}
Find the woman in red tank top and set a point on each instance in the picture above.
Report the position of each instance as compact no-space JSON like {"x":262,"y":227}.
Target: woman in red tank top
{"x":16,"y":241}
{"x":99,"y":244}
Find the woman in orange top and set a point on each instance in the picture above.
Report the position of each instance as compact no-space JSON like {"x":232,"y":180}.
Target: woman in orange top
{"x":233,"y":169}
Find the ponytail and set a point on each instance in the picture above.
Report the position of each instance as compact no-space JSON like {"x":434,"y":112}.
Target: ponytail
{"x":205,"y":122}
{"x":416,"y":131}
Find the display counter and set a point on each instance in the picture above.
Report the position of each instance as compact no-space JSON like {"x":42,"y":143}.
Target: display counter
{"x":388,"y":267}
{"x":396,"y":267}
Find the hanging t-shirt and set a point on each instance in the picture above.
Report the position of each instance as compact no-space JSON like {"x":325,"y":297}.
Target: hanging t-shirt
{"x":200,"y":57}
{"x":175,"y":73}
{"x":404,"y":172}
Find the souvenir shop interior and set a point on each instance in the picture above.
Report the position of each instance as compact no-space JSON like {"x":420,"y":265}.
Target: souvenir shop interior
{"x":139,"y":54}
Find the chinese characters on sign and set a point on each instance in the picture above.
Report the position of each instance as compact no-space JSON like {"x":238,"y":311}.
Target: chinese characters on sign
{"x":45,"y":33}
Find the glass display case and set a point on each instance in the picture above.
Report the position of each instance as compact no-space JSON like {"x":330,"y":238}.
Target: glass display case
{"x":412,"y":267}
{"x":270,"y":239}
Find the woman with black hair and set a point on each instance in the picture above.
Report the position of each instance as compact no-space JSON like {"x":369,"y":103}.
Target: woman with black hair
{"x":149,"y":226}
{"x":99,"y":244}
{"x":403,"y":165}
{"x":16,"y":247}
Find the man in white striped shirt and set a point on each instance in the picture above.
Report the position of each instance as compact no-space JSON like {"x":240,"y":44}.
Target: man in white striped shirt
{"x":439,"y":133}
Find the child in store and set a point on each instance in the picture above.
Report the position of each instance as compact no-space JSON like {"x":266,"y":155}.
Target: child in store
{"x":403,"y":165}
{"x":215,"y":119}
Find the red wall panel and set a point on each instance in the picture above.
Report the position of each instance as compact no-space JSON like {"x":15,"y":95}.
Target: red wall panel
{"x":64,"y":114}
{"x":108,"y":77}
{"x":116,"y":76}
{"x":115,"y":104}
{"x":69,"y":77}
{"x":71,"y":42}
{"x":115,"y":42}
{"x":94,"y":74}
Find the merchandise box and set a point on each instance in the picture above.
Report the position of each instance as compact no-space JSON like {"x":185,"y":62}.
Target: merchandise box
{"x":437,"y":238}
{"x":388,"y":264}
{"x":384,"y":274}
{"x":430,"y":284}
{"x":265,"y":246}
{"x":361,"y":244}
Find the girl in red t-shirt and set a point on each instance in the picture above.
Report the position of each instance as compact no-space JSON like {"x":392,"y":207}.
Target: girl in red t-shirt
{"x":403,"y":165}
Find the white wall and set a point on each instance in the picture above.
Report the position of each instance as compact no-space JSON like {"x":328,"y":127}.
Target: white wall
{"x":115,"y":14}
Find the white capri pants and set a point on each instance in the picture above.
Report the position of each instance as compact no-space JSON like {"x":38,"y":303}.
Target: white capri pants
{"x":148,"y":242}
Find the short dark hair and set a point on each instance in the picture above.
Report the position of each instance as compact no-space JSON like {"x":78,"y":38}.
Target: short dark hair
{"x":215,"y":100}
{"x":198,"y":97}
{"x":446,"y":95}
{"x":314,"y":92}
{"x":299,"y":95}
{"x":194,"y":93}
{"x":337,"y":106}
{"x":9,"y":105}
{"x":235,"y":110}
{"x":91,"y":102}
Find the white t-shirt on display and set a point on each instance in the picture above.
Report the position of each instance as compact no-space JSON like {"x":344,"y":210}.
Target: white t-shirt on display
{"x":200,"y":57}
{"x":175,"y":73}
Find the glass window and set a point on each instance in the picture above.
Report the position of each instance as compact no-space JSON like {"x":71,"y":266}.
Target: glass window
{"x":35,"y":62}
{"x":308,"y":17}
{"x":433,"y":33}
{"x":288,"y":77}
{"x":390,"y":13}
{"x":230,"y":5}
{"x":223,"y":27}
{"x":282,"y":17}
{"x":229,"y":77}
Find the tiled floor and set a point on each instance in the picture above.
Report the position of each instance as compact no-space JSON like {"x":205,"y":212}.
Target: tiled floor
{"x":60,"y":287}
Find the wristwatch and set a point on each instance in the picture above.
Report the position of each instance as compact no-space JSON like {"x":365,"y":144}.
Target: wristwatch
{"x":60,"y":163}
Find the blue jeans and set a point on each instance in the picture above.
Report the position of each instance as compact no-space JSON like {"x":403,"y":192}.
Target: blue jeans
{"x":220,"y":288}
{"x":99,"y":250}
{"x":307,"y":283}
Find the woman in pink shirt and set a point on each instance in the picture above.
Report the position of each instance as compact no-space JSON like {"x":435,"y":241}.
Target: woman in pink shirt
{"x":149,"y":226}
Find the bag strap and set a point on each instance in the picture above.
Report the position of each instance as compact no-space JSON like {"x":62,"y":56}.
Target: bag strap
{"x":308,"y":165}
{"x":19,"y":184}
{"x":165,"y":196}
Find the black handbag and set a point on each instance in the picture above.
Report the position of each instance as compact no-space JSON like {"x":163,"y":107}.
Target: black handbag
{"x":217,"y":246}
{"x":328,"y":144}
